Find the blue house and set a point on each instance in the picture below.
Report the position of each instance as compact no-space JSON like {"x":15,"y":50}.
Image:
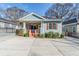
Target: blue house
{"x":34,"y":23}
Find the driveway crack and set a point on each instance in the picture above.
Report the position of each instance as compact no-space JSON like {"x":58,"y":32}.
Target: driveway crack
{"x":58,"y":49}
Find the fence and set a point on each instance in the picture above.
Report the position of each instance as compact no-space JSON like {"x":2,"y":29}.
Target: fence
{"x":7,"y":30}
{"x":72,"y":34}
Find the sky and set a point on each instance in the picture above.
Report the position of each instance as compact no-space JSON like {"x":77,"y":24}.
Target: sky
{"x":39,"y":8}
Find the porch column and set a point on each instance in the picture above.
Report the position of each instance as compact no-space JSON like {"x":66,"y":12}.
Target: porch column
{"x":24,"y":27}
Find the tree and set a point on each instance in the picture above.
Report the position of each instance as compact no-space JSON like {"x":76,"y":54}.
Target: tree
{"x":14,"y":13}
{"x":58,"y":10}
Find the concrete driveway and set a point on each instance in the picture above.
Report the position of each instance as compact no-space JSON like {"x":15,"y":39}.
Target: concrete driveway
{"x":22,"y":46}
{"x":14,"y":46}
{"x":56,"y":47}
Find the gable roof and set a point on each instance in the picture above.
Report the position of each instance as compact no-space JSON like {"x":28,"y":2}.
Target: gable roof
{"x":32,"y":17}
{"x":74,"y":20}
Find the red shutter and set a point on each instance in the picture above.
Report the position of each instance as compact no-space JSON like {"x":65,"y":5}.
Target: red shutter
{"x":52,"y":25}
{"x":56,"y":25}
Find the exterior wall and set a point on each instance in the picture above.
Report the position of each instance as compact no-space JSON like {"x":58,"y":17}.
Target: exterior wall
{"x":1,"y":24}
{"x":44,"y":28}
{"x":7,"y":27}
{"x":70,"y":28}
{"x":59,"y":28}
{"x":77,"y":28}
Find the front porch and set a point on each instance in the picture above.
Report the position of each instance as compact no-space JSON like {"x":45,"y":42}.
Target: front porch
{"x":31,"y":28}
{"x":31,"y":24}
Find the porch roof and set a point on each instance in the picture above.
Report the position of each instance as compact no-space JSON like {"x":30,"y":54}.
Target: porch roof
{"x":74,"y":20}
{"x":53,"y":20}
{"x":31,"y":17}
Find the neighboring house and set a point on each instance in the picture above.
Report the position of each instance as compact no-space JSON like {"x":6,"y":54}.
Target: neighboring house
{"x":34,"y":23}
{"x":71,"y":26}
{"x":7,"y":26}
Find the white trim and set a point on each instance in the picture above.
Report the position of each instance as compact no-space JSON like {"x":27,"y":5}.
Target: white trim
{"x":70,"y":24}
{"x":31,"y":14}
{"x":38,"y":15}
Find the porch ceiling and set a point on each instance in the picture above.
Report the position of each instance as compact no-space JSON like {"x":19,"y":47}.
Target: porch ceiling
{"x":30,"y":20}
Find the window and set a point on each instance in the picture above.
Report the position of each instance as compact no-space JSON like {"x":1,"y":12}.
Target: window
{"x":54,"y":25}
{"x":74,"y":29}
{"x":50,"y":25}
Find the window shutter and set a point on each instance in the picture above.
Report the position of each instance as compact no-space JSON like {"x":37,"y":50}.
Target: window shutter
{"x":52,"y":25}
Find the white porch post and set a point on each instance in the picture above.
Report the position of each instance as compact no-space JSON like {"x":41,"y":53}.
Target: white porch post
{"x":24,"y":27}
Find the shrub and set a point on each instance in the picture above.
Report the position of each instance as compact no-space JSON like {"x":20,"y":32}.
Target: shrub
{"x":51,"y":35}
{"x":61,"y":36}
{"x":19,"y":32}
{"x":26,"y":34}
{"x":41,"y":35}
{"x":56,"y":35}
{"x":46,"y":35}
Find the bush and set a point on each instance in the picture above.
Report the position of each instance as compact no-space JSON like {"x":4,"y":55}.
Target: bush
{"x":61,"y":36}
{"x":46,"y":35}
{"x":26,"y":34}
{"x":41,"y":35}
{"x":51,"y":35}
{"x":19,"y":32}
{"x":56,"y":35}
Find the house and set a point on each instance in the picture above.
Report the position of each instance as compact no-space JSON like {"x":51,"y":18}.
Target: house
{"x":71,"y":26}
{"x":34,"y":23}
{"x":7,"y":26}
